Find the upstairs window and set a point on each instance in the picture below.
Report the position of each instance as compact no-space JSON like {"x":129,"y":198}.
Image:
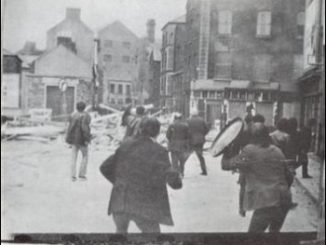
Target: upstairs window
{"x":264,"y":24}
{"x":300,"y":25}
{"x":126,"y":45}
{"x":128,"y":91}
{"x":107,"y":58}
{"x":120,"y":89}
{"x":125,"y":59}
{"x":108,"y":43}
{"x":112,"y":88}
{"x":225,"y":22}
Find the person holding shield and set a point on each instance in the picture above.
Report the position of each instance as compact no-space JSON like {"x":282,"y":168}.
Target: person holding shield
{"x":267,"y":179}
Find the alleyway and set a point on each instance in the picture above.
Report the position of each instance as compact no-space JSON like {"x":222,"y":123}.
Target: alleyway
{"x":38,"y":195}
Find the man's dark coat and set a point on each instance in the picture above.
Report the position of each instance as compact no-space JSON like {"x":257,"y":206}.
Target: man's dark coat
{"x":139,"y":171}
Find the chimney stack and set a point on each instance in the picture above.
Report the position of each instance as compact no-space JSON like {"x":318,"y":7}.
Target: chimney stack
{"x":73,"y":13}
{"x":151,"y":30}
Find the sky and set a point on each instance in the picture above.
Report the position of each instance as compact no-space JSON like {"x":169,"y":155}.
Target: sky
{"x":28,"y":20}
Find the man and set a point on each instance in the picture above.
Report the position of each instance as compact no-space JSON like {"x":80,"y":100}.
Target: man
{"x":132,"y":122}
{"x":198,"y":130}
{"x":79,"y":136}
{"x":240,"y":142}
{"x":178,"y":136}
{"x":139,"y":171}
{"x":267,"y":178}
{"x":280,"y":137}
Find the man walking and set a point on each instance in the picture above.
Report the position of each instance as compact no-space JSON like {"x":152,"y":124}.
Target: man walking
{"x":132,"y":122}
{"x":198,"y":130}
{"x":139,"y":171}
{"x":79,"y":136}
{"x":178,"y":136}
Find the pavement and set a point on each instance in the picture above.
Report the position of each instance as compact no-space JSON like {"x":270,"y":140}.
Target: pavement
{"x":311,"y":186}
{"x":37,"y":195}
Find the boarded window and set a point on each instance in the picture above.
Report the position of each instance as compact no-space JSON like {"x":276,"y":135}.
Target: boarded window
{"x":126,"y":45}
{"x":264,"y":23}
{"x":225,"y":22}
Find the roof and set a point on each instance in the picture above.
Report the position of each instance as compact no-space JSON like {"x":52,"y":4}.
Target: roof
{"x":117,"y":28}
{"x":61,"y":61}
{"x":6,"y":52}
{"x":178,"y":20}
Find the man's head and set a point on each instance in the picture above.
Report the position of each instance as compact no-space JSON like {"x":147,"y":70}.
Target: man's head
{"x":177,"y":116}
{"x":140,"y":110}
{"x":282,"y":125}
{"x":81,"y":106}
{"x":150,"y":127}
{"x":260,"y":135}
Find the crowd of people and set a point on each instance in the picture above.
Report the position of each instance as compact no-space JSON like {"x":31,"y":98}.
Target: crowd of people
{"x":140,"y":168}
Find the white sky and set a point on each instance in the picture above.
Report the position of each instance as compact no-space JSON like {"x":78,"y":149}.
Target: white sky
{"x":28,"y":20}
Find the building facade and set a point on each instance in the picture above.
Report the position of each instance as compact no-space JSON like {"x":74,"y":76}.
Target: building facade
{"x":74,"y":34}
{"x":11,"y":84}
{"x":117,"y":60}
{"x":174,"y":93}
{"x":244,"y":54}
{"x":312,"y":80}
{"x":59,"y":80}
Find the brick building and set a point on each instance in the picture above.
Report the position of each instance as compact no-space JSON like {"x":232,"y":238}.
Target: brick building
{"x":117,"y":60}
{"x":174,"y":89}
{"x":244,"y":53}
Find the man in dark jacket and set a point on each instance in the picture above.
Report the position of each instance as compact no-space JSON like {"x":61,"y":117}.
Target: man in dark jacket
{"x":79,"y":136}
{"x":139,"y":171}
{"x":267,"y":178}
{"x":178,"y":136}
{"x":198,"y":130}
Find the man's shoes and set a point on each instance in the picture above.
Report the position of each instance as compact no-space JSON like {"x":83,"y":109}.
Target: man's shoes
{"x":204,"y":173}
{"x":306,"y":177}
{"x":73,"y":179}
{"x":82,"y":178}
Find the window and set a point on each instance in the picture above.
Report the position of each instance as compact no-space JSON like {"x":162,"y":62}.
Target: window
{"x":225,"y":22}
{"x":125,"y":59}
{"x":300,"y":25}
{"x":128,"y":92}
{"x":112,"y":88}
{"x":223,"y":65}
{"x":112,"y":101}
{"x":169,"y":58}
{"x":264,"y":22}
{"x":120,"y":101}
{"x":120,"y":89}
{"x":107,"y":58}
{"x":211,"y":94}
{"x":126,"y":44}
{"x":204,"y":93}
{"x":108,"y":43}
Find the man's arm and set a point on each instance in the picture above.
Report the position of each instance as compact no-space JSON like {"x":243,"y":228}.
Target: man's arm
{"x":107,"y":168}
{"x":240,"y":161}
{"x":86,"y":127}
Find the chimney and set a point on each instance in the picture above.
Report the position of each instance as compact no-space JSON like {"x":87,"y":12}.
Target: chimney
{"x":73,"y":13}
{"x":151,"y":30}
